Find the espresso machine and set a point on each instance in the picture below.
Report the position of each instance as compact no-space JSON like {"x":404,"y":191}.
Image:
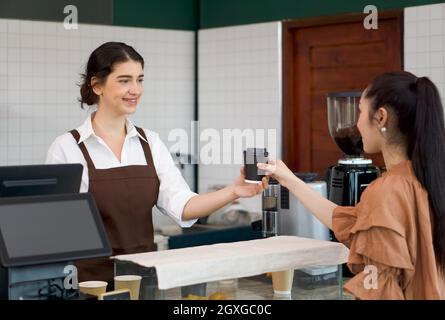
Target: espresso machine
{"x":270,"y":200}
{"x":348,"y":179}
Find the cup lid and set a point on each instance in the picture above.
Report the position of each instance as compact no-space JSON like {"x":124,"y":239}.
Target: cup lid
{"x":128,"y":277}
{"x":92,"y":284}
{"x":262,"y":151}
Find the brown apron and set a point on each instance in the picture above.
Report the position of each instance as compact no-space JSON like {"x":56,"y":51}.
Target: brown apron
{"x":125,"y":197}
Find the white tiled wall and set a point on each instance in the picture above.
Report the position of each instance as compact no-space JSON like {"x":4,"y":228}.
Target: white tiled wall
{"x":40,"y":63}
{"x":239,"y":87}
{"x":424,"y":43}
{"x":240,"y":84}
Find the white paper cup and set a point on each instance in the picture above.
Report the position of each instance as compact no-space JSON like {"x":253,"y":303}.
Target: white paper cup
{"x":282,"y":282}
{"x":131,"y":282}
{"x":93,"y":287}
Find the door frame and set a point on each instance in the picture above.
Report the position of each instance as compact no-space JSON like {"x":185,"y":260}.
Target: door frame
{"x":294,"y":138}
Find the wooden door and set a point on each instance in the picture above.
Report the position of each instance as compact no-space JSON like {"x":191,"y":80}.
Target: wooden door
{"x":329,"y":55}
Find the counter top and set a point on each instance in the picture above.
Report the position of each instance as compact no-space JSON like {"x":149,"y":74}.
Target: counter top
{"x":189,"y":266}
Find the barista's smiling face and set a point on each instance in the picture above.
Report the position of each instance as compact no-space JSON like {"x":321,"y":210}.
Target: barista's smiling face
{"x":121,"y":91}
{"x":369,"y":128}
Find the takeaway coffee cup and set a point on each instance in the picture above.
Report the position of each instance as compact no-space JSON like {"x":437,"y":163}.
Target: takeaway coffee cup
{"x":95,"y":288}
{"x":252,"y":156}
{"x":282,"y":282}
{"x":131,"y":282}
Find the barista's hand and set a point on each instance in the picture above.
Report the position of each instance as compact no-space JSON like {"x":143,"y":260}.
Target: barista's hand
{"x":246,"y":190}
{"x":278,"y":170}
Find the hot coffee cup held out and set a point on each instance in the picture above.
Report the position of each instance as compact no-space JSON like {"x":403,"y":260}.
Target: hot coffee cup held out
{"x":252,"y":156}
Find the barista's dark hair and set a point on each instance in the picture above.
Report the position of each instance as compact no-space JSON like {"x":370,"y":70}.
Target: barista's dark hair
{"x":420,"y":119}
{"x":101,"y":63}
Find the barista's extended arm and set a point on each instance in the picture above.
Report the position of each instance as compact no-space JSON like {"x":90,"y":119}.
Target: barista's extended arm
{"x":321,"y":207}
{"x":204,"y":204}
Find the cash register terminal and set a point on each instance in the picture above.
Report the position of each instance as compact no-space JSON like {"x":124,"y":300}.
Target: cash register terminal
{"x":40,"y":236}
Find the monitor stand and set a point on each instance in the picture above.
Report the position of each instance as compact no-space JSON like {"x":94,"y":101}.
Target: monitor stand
{"x":32,"y":282}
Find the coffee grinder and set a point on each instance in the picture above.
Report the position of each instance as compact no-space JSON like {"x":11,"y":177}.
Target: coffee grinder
{"x":353,"y":173}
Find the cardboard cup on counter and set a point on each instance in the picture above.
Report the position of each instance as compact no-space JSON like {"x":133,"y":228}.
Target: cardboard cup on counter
{"x":282,"y":282}
{"x":95,"y":288}
{"x":252,"y":156}
{"x":131,"y":282}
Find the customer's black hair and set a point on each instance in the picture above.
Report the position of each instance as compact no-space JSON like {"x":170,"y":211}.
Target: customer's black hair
{"x":417,"y":105}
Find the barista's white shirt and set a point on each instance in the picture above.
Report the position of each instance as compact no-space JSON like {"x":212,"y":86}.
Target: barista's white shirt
{"x":174,"y":193}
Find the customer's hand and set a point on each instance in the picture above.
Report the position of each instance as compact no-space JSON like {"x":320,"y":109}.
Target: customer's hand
{"x":278,"y":170}
{"x":243,"y":189}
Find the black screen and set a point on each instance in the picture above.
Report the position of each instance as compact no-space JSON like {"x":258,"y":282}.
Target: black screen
{"x":19,"y":181}
{"x":45,"y":228}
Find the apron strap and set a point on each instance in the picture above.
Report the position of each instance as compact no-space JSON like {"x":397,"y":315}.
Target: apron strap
{"x":86,"y":155}
{"x":145,"y":146}
{"x":84,"y":150}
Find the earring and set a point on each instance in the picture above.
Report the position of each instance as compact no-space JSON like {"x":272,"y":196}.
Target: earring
{"x":383,"y":129}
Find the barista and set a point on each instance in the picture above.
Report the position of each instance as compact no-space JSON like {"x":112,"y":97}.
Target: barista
{"x":128,"y":169}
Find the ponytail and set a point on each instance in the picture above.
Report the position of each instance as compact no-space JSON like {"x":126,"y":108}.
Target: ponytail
{"x":427,"y":150}
{"x":420,"y":120}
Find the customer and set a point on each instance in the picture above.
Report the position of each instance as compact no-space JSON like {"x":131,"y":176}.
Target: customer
{"x":398,"y":227}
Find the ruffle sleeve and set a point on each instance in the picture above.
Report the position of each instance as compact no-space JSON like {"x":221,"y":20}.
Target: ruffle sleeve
{"x":343,"y":220}
{"x":376,"y":233}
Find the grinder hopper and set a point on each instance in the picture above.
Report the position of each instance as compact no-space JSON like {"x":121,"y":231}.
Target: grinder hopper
{"x":343,"y":113}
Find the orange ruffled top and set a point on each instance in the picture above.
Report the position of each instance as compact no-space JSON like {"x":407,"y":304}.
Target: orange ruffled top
{"x":390,"y":228}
